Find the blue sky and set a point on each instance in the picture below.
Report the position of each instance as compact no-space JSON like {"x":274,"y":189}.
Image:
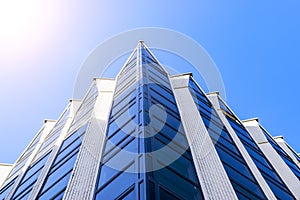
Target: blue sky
{"x":255,"y":45}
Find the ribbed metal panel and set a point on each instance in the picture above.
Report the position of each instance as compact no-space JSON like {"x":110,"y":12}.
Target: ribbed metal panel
{"x":280,"y":141}
{"x":47,"y":127}
{"x":212,"y":176}
{"x":282,"y":169}
{"x":255,"y":131}
{"x":279,"y":165}
{"x":84,"y":175}
{"x":4,"y":169}
{"x":261,"y":181}
{"x":39,"y":183}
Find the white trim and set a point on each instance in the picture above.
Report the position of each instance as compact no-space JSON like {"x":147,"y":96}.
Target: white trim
{"x":54,"y":150}
{"x":84,"y":175}
{"x":47,"y":127}
{"x":214,"y":99}
{"x":287,"y":176}
{"x":212,"y":176}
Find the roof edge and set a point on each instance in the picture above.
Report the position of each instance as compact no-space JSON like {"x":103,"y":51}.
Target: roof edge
{"x":183,"y":74}
{"x":251,"y":119}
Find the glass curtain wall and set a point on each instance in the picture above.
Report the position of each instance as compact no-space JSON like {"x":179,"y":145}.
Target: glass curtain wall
{"x":267,"y":171}
{"x":242,"y":179}
{"x":142,"y":85}
{"x":58,"y":177}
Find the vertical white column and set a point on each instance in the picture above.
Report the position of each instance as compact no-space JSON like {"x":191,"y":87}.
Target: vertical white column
{"x":279,"y":165}
{"x":74,"y":104}
{"x":84,"y":176}
{"x":213,"y":97}
{"x":47,"y":127}
{"x":4,"y":171}
{"x":213,"y":179}
{"x":280,"y":141}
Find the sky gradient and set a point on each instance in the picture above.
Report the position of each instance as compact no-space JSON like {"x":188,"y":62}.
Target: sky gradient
{"x":255,"y":45}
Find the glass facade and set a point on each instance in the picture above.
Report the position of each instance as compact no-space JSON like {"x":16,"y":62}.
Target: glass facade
{"x":285,"y":157}
{"x":24,"y":188}
{"x":268,"y":172}
{"x":61,"y":169}
{"x":146,"y":153}
{"x":141,"y":85}
{"x":24,"y":157}
{"x":242,"y":180}
{"x":6,"y":188}
{"x":86,"y":108}
{"x":19,"y":166}
{"x":55,"y":132}
{"x":297,"y":157}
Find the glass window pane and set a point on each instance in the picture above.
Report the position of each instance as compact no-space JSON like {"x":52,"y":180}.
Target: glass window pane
{"x":119,"y":185}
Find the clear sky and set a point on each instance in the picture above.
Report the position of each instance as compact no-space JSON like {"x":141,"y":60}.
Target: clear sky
{"x":255,"y":44}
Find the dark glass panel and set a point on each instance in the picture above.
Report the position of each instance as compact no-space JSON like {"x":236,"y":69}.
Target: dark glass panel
{"x":60,"y":171}
{"x":6,"y":188}
{"x":233,"y":162}
{"x":119,"y":185}
{"x":153,"y":88}
{"x":177,"y":184}
{"x":285,"y":157}
{"x":267,"y":171}
{"x":128,"y":196}
{"x":279,"y":192}
{"x":30,"y":178}
{"x":164,"y":194}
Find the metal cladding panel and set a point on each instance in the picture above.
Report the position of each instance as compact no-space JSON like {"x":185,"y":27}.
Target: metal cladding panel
{"x":282,"y":169}
{"x":212,"y":176}
{"x":261,"y":181}
{"x":280,"y":141}
{"x":47,"y":127}
{"x":4,"y":169}
{"x":255,"y":131}
{"x":279,"y":165}
{"x":84,"y":176}
{"x":55,"y":148}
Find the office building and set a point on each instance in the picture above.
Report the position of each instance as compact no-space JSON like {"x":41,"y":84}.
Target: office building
{"x":149,"y":135}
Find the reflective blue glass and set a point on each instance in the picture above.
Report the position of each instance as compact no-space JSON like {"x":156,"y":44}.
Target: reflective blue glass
{"x":29,"y":179}
{"x":65,"y":152}
{"x":285,"y":157}
{"x":128,"y":195}
{"x":61,"y":169}
{"x":177,"y":184}
{"x":165,"y":194}
{"x":57,"y":189}
{"x":153,"y":88}
{"x":6,"y":188}
{"x":118,"y":185}
{"x":268,"y":172}
{"x":235,"y":166}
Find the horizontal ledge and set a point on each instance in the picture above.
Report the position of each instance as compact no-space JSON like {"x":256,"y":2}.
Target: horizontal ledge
{"x":49,"y":120}
{"x":6,"y":164}
{"x":103,"y":78}
{"x":251,"y":119}
{"x":214,"y":92}
{"x":184,"y":74}
{"x":278,"y":137}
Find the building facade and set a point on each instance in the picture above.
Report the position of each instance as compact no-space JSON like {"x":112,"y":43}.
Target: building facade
{"x":149,"y":135}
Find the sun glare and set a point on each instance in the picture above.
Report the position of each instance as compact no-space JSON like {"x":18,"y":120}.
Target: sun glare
{"x":24,"y":24}
{"x":16,"y":16}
